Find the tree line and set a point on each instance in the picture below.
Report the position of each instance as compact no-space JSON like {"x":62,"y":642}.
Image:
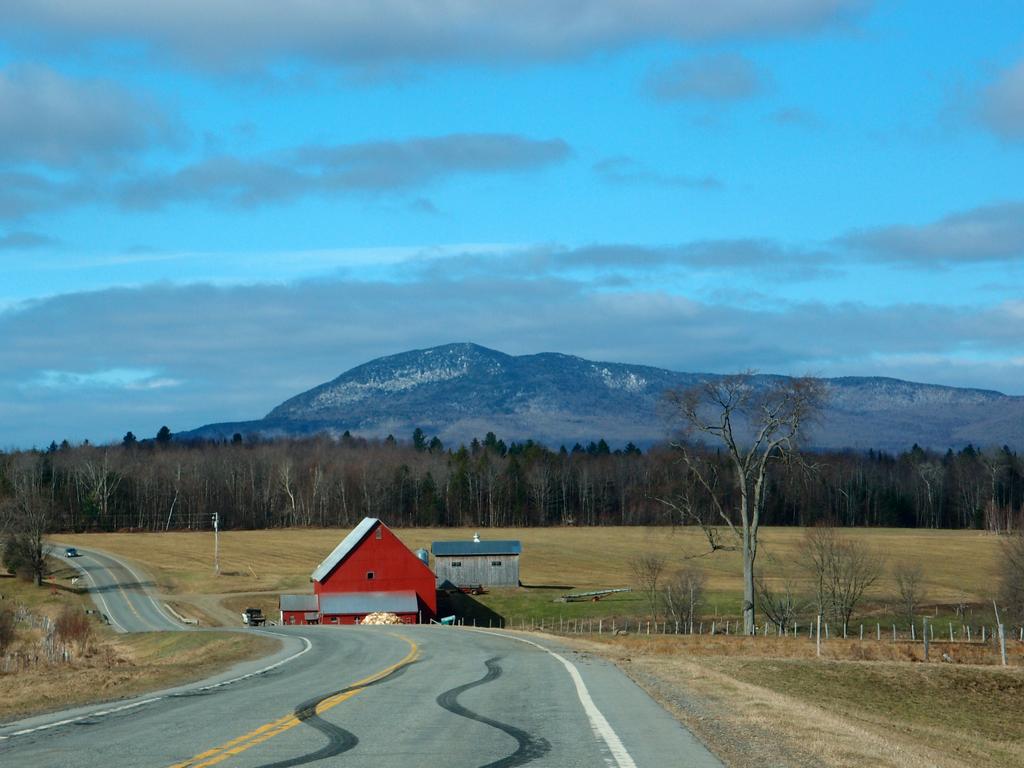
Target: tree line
{"x":161,"y":484}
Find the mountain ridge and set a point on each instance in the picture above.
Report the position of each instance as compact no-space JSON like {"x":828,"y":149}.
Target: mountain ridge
{"x":463,"y":390}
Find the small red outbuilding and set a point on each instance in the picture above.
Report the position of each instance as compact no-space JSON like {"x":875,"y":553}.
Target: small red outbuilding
{"x":369,"y":571}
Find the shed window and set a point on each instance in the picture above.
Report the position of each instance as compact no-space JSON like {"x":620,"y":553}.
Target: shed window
{"x":496,"y":563}
{"x":378,"y":534}
{"x":456,"y":563}
{"x":369,"y":575}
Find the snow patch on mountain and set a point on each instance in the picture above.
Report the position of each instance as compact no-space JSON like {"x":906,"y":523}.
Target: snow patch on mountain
{"x":399,"y":381}
{"x":626,"y":380}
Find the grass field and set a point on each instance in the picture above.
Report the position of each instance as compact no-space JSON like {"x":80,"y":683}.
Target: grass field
{"x":959,"y":566}
{"x":112,"y":666}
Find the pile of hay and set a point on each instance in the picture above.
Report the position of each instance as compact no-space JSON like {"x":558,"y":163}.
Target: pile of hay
{"x":381,"y":618}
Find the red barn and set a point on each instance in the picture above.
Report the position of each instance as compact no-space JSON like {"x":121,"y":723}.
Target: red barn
{"x":369,"y":571}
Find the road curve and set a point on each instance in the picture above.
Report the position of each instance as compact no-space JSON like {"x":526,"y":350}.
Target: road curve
{"x":379,"y":696}
{"x":121,"y":593}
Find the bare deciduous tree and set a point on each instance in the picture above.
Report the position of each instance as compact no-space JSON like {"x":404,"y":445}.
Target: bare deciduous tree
{"x":758,"y":426}
{"x":780,"y":606}
{"x":24,"y":546}
{"x":843,"y":570}
{"x":647,"y":571}
{"x":1011,"y":577}
{"x":683,"y":594}
{"x":909,"y":589}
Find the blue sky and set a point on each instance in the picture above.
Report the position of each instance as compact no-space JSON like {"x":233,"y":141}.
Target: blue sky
{"x":206,"y":208}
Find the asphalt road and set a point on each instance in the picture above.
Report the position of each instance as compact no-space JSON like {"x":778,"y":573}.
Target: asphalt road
{"x":121,"y":594}
{"x":368,"y":696}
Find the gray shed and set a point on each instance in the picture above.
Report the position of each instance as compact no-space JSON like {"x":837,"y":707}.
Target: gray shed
{"x":476,"y":562}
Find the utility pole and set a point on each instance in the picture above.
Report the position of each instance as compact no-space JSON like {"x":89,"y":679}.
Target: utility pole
{"x":216,"y":543}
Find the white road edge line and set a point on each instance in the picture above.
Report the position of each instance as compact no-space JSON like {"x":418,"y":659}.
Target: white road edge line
{"x":134,"y":704}
{"x":98,"y":593}
{"x":598,"y":721}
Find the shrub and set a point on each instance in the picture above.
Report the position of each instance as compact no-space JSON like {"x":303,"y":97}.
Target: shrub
{"x":73,"y":626}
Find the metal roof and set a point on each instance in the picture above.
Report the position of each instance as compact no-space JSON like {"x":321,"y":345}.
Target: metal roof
{"x":298,"y":603}
{"x":358,"y":603}
{"x":347,"y":544}
{"x":468,"y":548}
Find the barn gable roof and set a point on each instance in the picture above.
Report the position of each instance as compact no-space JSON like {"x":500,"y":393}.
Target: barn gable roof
{"x":347,"y":544}
{"x":469,"y":548}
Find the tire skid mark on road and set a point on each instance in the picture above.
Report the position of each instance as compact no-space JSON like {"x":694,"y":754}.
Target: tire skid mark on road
{"x":339,"y":740}
{"x":617,"y":751}
{"x":530,"y":748}
{"x":276,"y":727}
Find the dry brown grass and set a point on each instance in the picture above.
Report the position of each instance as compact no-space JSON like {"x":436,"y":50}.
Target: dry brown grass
{"x":125,"y":666}
{"x":106,"y":665}
{"x":955,"y":563}
{"x":756,"y":703}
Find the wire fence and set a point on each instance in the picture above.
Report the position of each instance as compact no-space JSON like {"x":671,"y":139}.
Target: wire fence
{"x":926,"y":633}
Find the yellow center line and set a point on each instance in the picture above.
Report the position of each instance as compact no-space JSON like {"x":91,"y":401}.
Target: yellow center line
{"x":276,"y":727}
{"x":124,"y":594}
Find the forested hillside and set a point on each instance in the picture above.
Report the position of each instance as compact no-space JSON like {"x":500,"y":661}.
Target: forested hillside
{"x":161,"y":484}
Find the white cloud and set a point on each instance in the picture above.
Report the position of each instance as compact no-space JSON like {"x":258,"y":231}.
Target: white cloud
{"x":722,"y":78}
{"x":368,"y":167}
{"x":988,"y":233}
{"x":228,"y":34}
{"x":110,"y":378}
{"x":1002,"y":104}
{"x":58,"y":121}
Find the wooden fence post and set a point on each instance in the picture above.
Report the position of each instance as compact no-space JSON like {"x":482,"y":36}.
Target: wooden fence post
{"x":819,"y":635}
{"x":924,"y":635}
